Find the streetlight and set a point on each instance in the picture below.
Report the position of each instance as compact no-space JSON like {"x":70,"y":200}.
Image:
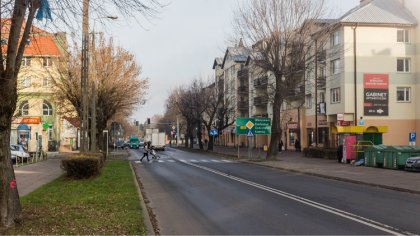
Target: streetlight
{"x":93,"y":105}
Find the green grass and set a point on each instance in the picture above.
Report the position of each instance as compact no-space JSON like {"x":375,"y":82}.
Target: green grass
{"x":108,"y":204}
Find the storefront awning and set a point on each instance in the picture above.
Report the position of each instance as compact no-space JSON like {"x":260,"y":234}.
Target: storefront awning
{"x":359,"y":129}
{"x":23,"y":127}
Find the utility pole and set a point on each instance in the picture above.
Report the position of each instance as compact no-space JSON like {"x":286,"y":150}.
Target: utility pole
{"x":84,"y":77}
{"x":93,"y":114}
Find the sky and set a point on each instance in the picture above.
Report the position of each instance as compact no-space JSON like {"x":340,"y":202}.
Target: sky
{"x":181,"y":44}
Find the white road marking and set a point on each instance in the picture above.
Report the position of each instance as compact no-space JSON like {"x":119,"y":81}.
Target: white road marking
{"x":344,"y":214}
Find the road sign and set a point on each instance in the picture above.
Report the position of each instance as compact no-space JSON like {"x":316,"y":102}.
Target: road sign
{"x":213,"y":132}
{"x":412,"y":137}
{"x":250,"y":133}
{"x":254,"y":125}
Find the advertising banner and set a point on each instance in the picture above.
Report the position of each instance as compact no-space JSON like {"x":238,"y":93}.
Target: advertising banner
{"x":376,"y":91}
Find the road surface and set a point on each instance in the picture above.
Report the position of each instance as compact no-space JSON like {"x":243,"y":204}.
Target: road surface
{"x":193,"y":193}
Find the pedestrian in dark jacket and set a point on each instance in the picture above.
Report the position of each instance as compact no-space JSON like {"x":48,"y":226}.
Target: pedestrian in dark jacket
{"x":340,"y":153}
{"x":145,"y":153}
{"x":281,"y":146}
{"x":297,"y":145}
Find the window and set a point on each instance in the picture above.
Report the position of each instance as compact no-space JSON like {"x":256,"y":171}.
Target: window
{"x":335,"y":38}
{"x":335,"y":66}
{"x":47,"y":109}
{"x":403,"y":36}
{"x":321,"y":97}
{"x":50,"y":133}
{"x":308,"y":101}
{"x":46,"y":82}
{"x":25,"y":82}
{"x":403,"y":94}
{"x":24,"y":109}
{"x":26,"y":61}
{"x":335,"y":95}
{"x":46,"y":61}
{"x":403,"y":65}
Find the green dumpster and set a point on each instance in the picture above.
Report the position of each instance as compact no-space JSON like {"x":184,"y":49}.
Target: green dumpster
{"x":375,"y":155}
{"x":405,"y":152}
{"x":390,"y":157}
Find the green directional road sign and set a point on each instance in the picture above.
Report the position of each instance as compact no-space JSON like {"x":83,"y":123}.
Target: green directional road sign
{"x":251,"y":126}
{"x":262,"y":125}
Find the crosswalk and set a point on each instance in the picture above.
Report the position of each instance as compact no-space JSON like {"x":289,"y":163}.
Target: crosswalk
{"x":187,"y":161}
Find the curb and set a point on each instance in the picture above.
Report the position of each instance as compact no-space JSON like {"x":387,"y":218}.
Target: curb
{"x":147,"y":219}
{"x":338,"y":178}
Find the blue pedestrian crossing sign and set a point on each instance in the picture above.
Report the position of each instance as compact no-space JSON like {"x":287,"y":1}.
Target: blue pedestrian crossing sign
{"x":250,"y":133}
{"x":213,"y":132}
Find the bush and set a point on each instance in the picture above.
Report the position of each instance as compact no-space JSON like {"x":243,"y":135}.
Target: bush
{"x":83,"y":166}
{"x":318,"y":152}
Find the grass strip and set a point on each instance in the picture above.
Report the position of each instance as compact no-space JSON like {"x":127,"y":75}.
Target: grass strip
{"x":105,"y":205}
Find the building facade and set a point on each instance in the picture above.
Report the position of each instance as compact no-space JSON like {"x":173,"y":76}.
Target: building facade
{"x":36,"y":123}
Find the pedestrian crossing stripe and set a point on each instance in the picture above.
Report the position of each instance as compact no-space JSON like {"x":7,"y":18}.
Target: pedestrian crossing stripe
{"x":187,"y":161}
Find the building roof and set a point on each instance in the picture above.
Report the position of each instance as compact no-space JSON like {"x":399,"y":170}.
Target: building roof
{"x":73,"y":121}
{"x":379,"y":12}
{"x":237,"y":54}
{"x":41,"y":43}
{"x":217,"y":62}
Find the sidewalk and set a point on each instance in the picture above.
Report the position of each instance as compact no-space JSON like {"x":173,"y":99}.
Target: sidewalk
{"x":33,"y":176}
{"x":295,"y":161}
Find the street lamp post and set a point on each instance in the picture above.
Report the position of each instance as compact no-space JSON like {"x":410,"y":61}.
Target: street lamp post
{"x":84,"y":76}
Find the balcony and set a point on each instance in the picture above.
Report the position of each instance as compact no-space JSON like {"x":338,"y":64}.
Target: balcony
{"x":264,"y":115}
{"x":243,"y":74}
{"x":297,"y":93}
{"x":261,"y":100}
{"x":261,"y":83}
{"x":322,"y":55}
{"x":243,"y":89}
{"x":321,"y":82}
{"x":243,"y":105}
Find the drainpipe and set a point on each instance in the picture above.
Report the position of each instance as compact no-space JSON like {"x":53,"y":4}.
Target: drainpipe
{"x":355,"y":73}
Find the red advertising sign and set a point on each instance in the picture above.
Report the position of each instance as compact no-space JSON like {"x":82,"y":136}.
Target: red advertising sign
{"x":376,"y":94}
{"x":27,"y":120}
{"x":343,"y":123}
{"x":376,"y":81}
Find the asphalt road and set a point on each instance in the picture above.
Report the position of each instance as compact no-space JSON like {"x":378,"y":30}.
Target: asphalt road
{"x":193,"y":193}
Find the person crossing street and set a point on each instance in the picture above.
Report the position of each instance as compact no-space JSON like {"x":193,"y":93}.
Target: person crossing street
{"x":145,"y":153}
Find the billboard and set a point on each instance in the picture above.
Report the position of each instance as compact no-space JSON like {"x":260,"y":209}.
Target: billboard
{"x":376,"y":91}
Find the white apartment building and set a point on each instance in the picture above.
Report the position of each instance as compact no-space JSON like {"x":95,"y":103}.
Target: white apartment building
{"x":369,"y":77}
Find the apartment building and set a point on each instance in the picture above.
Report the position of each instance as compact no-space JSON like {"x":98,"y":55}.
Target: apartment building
{"x":232,"y":78}
{"x":36,"y":123}
{"x":367,"y":76}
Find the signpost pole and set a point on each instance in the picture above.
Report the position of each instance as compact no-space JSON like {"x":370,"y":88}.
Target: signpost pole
{"x":237,"y":143}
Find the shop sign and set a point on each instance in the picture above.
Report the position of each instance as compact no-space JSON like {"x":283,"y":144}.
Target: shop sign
{"x":340,"y":116}
{"x":27,"y":120}
{"x":322,"y":122}
{"x":376,"y":93}
{"x":343,"y":123}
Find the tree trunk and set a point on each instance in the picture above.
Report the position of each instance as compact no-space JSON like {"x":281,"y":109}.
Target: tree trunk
{"x":211,"y":143}
{"x":199,"y":137}
{"x":10,"y":209}
{"x":275,"y":126}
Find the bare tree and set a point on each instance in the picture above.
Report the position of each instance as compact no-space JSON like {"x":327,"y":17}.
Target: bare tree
{"x":115,"y":75}
{"x":16,"y":23}
{"x":280,"y":31}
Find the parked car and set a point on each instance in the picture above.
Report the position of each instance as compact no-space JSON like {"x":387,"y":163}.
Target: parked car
{"x":19,"y":152}
{"x":412,"y":163}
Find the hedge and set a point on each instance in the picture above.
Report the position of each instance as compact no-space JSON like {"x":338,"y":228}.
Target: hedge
{"x":318,"y":152}
{"x":83,"y":166}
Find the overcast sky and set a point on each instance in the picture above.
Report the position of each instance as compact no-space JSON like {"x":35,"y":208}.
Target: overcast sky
{"x":182,"y":43}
